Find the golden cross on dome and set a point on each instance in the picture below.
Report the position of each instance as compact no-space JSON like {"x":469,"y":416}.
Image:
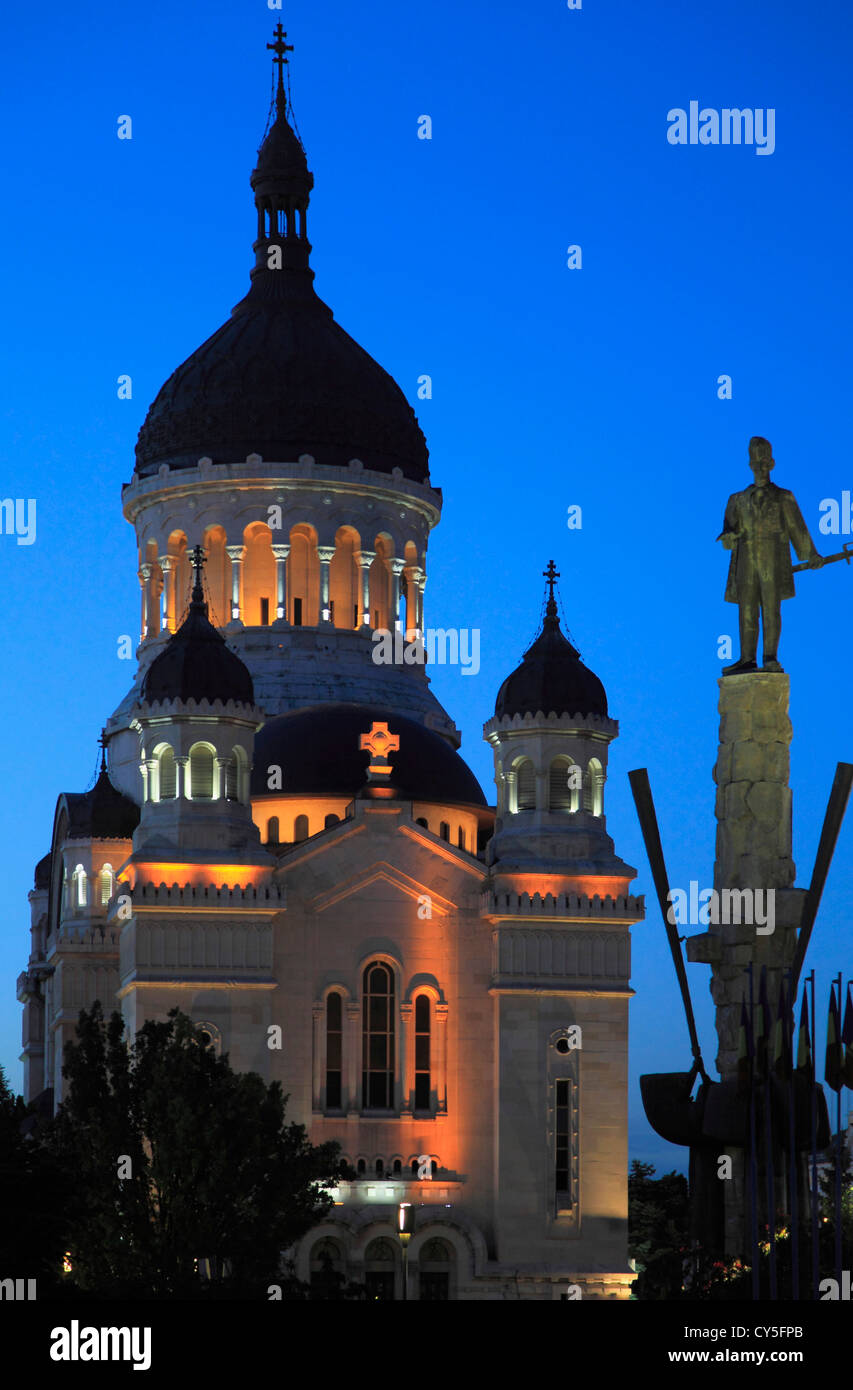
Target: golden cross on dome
{"x":281,"y":49}
{"x":552,"y":574}
{"x":379,"y":743}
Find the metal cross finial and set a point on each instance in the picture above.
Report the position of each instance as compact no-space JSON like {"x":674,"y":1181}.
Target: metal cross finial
{"x":281,"y":48}
{"x":103,"y":742}
{"x":197,"y":558}
{"x":552,"y":574}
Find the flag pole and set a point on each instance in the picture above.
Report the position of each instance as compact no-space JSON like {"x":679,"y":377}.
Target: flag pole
{"x":793,"y":1161}
{"x":753,"y":1167}
{"x":838,"y":1089}
{"x":810,"y":980}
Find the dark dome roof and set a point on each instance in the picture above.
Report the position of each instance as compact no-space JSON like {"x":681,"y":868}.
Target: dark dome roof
{"x":41,"y":877}
{"x":197,"y":665}
{"x":281,"y":378}
{"x":551,"y":677}
{"x":318,"y":753}
{"x":103,"y":813}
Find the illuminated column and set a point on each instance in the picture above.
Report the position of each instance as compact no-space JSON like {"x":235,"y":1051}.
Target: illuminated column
{"x":317,"y":1013}
{"x":236,"y":554}
{"x":181,"y":777}
{"x":415,"y":589}
{"x":365,"y":559}
{"x":219,"y":778}
{"x":407,"y":1058}
{"x":512,"y":791}
{"x":145,"y":579}
{"x":397,"y":567}
{"x":440,"y":1061}
{"x":168,"y":565}
{"x":281,"y":553}
{"x":421,"y":586}
{"x":144,"y":767}
{"x":326,"y":554}
{"x":352,"y":1100}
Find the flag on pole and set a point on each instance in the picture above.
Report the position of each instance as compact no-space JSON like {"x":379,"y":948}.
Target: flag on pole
{"x":834,"y":1048}
{"x":847,"y":1040}
{"x":745,"y":1049}
{"x":762,"y":1028}
{"x":782,"y":1059}
{"x":804,"y":1047}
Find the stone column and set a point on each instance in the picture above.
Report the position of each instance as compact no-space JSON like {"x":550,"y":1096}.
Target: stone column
{"x":417,"y":581}
{"x":168,"y":564}
{"x":397,"y":567}
{"x":181,"y":765}
{"x":365,"y":559}
{"x":219,"y":777}
{"x":511,"y":779}
{"x":422,"y":579}
{"x":318,"y":1012}
{"x":236,"y":554}
{"x":352,"y":1059}
{"x":281,"y":553}
{"x":326,"y":554}
{"x":757,"y":908}
{"x":440,"y":1060}
{"x":145,"y":581}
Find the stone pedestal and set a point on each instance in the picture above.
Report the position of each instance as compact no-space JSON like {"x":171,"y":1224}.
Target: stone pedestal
{"x":753,"y":853}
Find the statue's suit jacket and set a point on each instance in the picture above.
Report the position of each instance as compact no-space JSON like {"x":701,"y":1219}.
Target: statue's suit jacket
{"x":766,"y":537}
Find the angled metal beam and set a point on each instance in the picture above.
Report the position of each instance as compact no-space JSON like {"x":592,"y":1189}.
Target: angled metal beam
{"x":838,"y":798}
{"x":642,"y":792}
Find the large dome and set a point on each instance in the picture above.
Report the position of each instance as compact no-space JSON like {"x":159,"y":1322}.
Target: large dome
{"x":281,"y":378}
{"x":318,"y":753}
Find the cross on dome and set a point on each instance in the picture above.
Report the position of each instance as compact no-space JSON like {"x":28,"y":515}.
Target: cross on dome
{"x":379,"y":743}
{"x":552,"y":574}
{"x":281,"y":48}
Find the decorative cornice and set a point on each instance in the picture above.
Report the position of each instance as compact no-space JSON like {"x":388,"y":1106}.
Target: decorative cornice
{"x":599,"y":724}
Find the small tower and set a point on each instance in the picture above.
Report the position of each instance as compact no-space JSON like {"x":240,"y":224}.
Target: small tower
{"x":196,"y":724}
{"x":558,"y":903}
{"x":550,"y":736}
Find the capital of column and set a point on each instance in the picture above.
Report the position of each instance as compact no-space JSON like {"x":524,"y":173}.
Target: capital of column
{"x":236,"y":553}
{"x":326,"y":553}
{"x":167,"y":562}
{"x":281,"y":552}
{"x":365,"y":558}
{"x":145,"y":572}
{"x":397,"y":566}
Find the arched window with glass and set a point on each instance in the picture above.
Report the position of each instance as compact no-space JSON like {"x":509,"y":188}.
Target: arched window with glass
{"x":334,"y":1051}
{"x":423,"y":1079}
{"x":378,"y":1038}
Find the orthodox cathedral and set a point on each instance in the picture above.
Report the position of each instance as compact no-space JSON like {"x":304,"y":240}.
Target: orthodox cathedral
{"x":285,"y":843}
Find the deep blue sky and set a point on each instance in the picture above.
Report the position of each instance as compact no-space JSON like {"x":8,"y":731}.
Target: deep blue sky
{"x":551,"y":387}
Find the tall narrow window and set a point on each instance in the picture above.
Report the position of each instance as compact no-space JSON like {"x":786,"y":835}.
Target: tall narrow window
{"x":168,"y":780}
{"x":526,"y":786}
{"x":272,"y":830}
{"x":79,"y":880}
{"x":334,"y":1051}
{"x":563,"y":1142}
{"x":559,"y":792}
{"x":297,"y":612}
{"x":265,"y":612}
{"x":300,"y":829}
{"x":377,"y":1065}
{"x":422,"y":1049}
{"x":106,"y":884}
{"x":201,"y":773}
{"x":444,"y":830}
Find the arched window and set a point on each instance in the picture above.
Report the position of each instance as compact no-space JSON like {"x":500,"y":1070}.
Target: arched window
{"x":561,"y":796}
{"x":460,"y":838}
{"x":526,"y":786}
{"x":79,"y":891}
{"x":398,"y":1168}
{"x":421,"y":820}
{"x":272,"y":831}
{"x":380,"y":1265}
{"x":332,"y":820}
{"x":361,"y":1167}
{"x":201,"y":773}
{"x":380,"y":1167}
{"x":327,"y":1269}
{"x":334,"y":1050}
{"x":422,"y":1053}
{"x":378,"y":1037}
{"x":593,"y":789}
{"x":444,"y":830}
{"x":300,"y":829}
{"x":434,"y":1266}
{"x":167,"y":782}
{"x":106,"y":884}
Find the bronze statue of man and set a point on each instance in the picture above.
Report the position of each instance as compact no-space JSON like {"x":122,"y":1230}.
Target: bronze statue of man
{"x":761,"y":524}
